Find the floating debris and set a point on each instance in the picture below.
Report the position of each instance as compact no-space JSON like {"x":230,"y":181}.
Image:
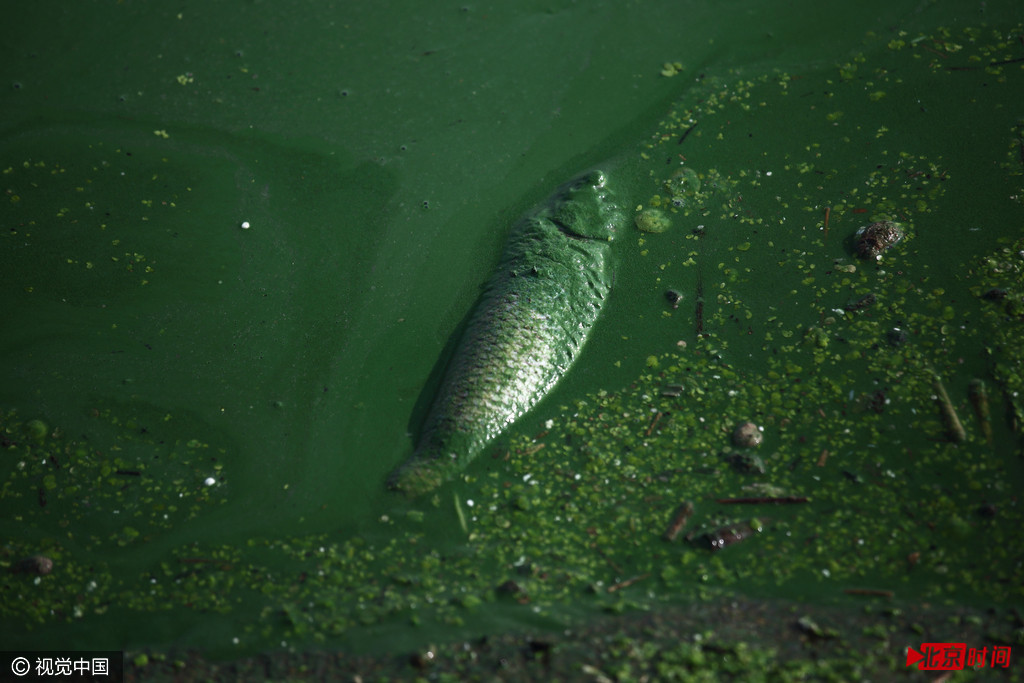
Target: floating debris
{"x":956,"y":430}
{"x":673,"y":297}
{"x":896,"y":336}
{"x":747,"y":435}
{"x":40,"y":565}
{"x":627,"y":583}
{"x":861,"y":303}
{"x":680,"y":517}
{"x":511,"y":588}
{"x":872,"y":240}
{"x":731,"y":534}
{"x":746,"y":463}
{"x":763,"y":500}
{"x":994,"y":294}
{"x":672,"y":390}
{"x":811,"y":628}
{"x":869,"y":591}
{"x":988,"y":510}
{"x":979,"y":399}
{"x":654,"y":422}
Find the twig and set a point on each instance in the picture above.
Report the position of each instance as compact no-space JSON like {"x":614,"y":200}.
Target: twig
{"x":627,"y":583}
{"x":679,"y":520}
{"x":763,"y":500}
{"x":657,"y":416}
{"x":686,"y":133}
{"x":869,"y":591}
{"x":956,"y":430}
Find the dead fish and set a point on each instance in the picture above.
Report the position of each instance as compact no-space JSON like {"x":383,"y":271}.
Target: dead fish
{"x":526,"y":331}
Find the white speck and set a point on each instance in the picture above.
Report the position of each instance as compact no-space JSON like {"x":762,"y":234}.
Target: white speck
{"x":549,"y":424}
{"x":209,"y":481}
{"x":826,"y":572}
{"x":470,"y":503}
{"x":235,"y":640}
{"x":245,"y":225}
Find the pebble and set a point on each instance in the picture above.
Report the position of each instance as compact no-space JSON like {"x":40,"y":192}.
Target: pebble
{"x":747,"y":435}
{"x":872,"y":240}
{"x":673,"y":297}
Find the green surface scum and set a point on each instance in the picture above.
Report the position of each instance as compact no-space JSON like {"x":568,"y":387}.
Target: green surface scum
{"x":89,"y":503}
{"x":835,"y":359}
{"x":90,"y":230}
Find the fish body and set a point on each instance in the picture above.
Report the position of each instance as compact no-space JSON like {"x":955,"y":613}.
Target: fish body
{"x":527,"y":329}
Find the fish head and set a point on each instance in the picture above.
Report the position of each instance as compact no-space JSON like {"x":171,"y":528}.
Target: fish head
{"x":585,"y":208}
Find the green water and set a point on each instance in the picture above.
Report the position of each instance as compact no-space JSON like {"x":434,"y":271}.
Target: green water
{"x":378,"y":164}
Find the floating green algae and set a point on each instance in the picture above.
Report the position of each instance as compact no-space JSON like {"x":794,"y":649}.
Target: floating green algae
{"x":833,"y":357}
{"x":91,"y":503}
{"x":652,"y":220}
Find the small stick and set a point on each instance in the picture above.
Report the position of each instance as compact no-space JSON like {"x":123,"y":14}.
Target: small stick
{"x":828,"y":212}
{"x":869,"y":591}
{"x":533,"y":449}
{"x":933,"y":50}
{"x":823,"y":457}
{"x":686,"y":134}
{"x":762,"y":500}
{"x":979,"y":399}
{"x":1015,"y":60}
{"x":461,"y":515}
{"x":956,"y":430}
{"x":627,"y":583}
{"x":657,"y":416}
{"x":679,"y":519}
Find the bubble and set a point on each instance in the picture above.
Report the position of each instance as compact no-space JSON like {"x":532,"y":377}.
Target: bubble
{"x":684,"y":182}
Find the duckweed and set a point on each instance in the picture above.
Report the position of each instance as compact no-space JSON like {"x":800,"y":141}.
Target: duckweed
{"x":576,"y":515}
